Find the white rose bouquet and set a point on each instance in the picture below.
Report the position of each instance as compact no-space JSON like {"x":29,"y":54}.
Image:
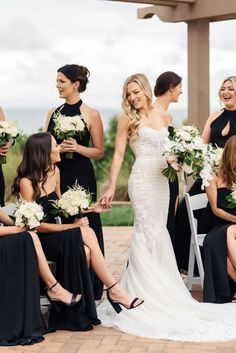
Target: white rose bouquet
{"x":28,"y":215}
{"x":231,"y":198}
{"x":69,"y":126}
{"x":72,"y":202}
{"x":8,"y":132}
{"x":185,"y":149}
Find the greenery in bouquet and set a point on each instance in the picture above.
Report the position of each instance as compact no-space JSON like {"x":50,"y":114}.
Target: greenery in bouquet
{"x":28,"y":215}
{"x":69,"y":126}
{"x":8,"y":132}
{"x":75,"y":200}
{"x":231,"y":198}
{"x":185,"y":150}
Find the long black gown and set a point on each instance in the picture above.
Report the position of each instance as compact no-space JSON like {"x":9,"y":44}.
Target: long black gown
{"x":183,"y":233}
{"x":66,"y":248}
{"x":20,"y":316}
{"x":2,"y":187}
{"x":218,"y":286}
{"x":80,"y":169}
{"x":174,"y":194}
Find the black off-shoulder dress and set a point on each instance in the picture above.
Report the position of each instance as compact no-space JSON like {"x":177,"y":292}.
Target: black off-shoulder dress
{"x":66,"y":248}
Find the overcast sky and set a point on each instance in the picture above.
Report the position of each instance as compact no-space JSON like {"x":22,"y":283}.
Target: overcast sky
{"x":37,"y":37}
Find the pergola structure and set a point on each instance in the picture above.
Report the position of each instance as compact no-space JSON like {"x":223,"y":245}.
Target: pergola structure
{"x":197,"y":14}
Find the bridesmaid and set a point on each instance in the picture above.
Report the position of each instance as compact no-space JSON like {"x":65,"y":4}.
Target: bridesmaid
{"x":21,"y":259}
{"x":71,"y":82}
{"x":167,"y":90}
{"x":3,"y":152}
{"x":220,"y":243}
{"x":219,"y":127}
{"x":38,"y":179}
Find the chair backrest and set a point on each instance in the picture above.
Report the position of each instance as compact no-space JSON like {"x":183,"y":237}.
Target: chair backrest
{"x":195,"y":202}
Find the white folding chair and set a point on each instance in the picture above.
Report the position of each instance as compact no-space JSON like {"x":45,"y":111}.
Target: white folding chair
{"x":193,"y":203}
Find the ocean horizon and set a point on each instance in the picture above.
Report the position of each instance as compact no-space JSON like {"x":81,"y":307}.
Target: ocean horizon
{"x":31,"y":120}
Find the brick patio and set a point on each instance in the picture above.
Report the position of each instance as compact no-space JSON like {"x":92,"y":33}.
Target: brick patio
{"x":105,"y":340}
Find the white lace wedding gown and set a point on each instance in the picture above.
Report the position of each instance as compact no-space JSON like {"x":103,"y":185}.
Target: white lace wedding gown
{"x":169,"y":311}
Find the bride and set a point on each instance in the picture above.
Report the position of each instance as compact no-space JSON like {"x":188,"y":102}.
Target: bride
{"x":168,"y":311}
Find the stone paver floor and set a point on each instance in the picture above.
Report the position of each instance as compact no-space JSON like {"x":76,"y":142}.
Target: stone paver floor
{"x":105,"y":340}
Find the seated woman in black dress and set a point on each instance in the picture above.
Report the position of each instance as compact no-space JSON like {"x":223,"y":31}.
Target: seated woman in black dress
{"x":39,"y":180}
{"x":220,"y":243}
{"x":219,"y":127}
{"x":21,"y":259}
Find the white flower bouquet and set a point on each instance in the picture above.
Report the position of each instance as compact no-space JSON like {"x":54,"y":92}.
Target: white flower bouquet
{"x":69,"y":126}
{"x":72,"y":202}
{"x":185,"y":149}
{"x":231,"y":198}
{"x":8,"y":132}
{"x":28,"y":215}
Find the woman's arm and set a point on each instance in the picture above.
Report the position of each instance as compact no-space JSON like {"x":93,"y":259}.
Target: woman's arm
{"x":4,"y":149}
{"x":206,"y":134}
{"x":97,"y":136}
{"x":211,"y":191}
{"x":10,"y":230}
{"x":5,"y":219}
{"x":2,"y":117}
{"x":120,"y":146}
{"x":48,"y":118}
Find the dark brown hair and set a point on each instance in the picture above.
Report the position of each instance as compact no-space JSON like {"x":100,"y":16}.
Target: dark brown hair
{"x":166,"y":81}
{"x":228,"y":162}
{"x":76,"y":73}
{"x":35,"y":163}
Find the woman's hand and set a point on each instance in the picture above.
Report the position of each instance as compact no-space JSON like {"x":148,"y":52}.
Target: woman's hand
{"x":106,"y":199}
{"x":98,"y":208}
{"x":69,"y":145}
{"x":81,"y":222}
{"x":4,"y":149}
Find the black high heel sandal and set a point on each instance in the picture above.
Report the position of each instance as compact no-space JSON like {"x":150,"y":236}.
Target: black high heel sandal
{"x":53,"y":301}
{"x":117,"y":305}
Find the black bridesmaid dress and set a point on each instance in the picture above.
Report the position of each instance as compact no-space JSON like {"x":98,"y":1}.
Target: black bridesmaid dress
{"x":2,"y":188}
{"x":174,"y":194}
{"x":80,"y":169}
{"x":218,"y":286}
{"x":66,"y":248}
{"x":183,"y":233}
{"x":20,"y":316}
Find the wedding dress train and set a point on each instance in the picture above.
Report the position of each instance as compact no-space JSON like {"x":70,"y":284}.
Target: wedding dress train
{"x":168,"y":311}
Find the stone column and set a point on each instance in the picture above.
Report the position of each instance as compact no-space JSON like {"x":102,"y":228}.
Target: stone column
{"x":198,"y":72}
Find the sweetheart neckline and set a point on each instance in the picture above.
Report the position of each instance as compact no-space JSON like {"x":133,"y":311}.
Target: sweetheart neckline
{"x":157,"y":130}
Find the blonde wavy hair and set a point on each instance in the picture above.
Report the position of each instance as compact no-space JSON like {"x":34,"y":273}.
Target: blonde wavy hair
{"x":232,"y":79}
{"x":133,"y":114}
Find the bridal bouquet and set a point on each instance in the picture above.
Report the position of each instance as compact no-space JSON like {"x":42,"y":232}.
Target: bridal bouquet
{"x":72,"y":202}
{"x":28,"y":215}
{"x":69,"y":126}
{"x":8,"y":132}
{"x":231,"y":198}
{"x":185,"y":149}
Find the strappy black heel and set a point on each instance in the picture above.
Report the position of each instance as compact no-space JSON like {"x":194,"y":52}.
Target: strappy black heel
{"x":117,"y":305}
{"x":53,"y":301}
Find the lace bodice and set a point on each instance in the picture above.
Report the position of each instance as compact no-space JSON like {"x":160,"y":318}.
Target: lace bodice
{"x":150,"y":143}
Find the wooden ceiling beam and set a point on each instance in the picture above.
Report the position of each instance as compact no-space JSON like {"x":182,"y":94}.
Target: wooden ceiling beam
{"x":213,"y":10}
